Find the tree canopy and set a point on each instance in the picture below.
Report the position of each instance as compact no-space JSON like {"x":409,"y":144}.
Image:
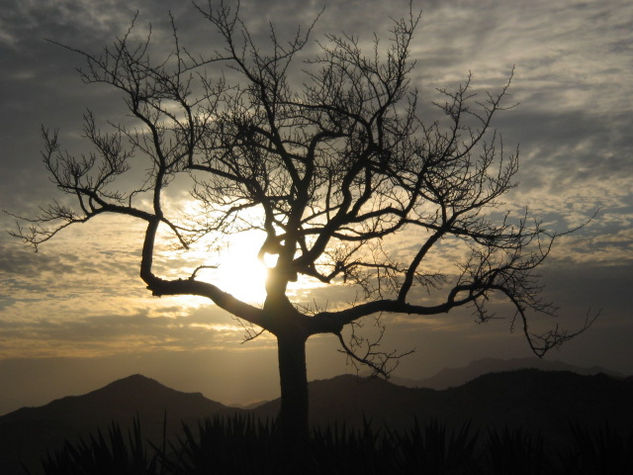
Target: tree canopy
{"x":327,"y":153}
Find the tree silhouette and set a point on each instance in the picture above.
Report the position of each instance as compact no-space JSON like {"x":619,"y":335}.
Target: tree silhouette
{"x":335,"y":157}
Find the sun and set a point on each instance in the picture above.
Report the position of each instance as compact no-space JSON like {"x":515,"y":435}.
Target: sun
{"x":236,"y":268}
{"x":239,"y":270}
{"x":229,"y":261}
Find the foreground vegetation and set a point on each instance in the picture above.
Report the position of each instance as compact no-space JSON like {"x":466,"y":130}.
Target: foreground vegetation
{"x":244,"y":445}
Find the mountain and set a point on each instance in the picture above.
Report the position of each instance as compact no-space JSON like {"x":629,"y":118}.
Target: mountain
{"x":529,"y":399}
{"x":533,"y":400}
{"x":25,"y":434}
{"x":452,"y":377}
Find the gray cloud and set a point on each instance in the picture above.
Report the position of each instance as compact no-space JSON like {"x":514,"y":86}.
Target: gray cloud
{"x":103,"y":334}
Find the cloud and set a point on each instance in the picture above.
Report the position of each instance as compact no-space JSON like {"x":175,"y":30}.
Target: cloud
{"x":573,"y":81}
{"x":95,"y":335}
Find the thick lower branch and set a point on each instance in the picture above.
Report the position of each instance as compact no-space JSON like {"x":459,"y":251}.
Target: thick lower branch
{"x":333,"y":322}
{"x":224,"y":300}
{"x":191,"y":286}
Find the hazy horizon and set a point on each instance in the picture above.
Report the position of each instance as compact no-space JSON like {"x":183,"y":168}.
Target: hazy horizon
{"x":78,"y":376}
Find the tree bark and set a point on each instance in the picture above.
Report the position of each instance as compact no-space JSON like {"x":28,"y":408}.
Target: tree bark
{"x":293,"y":415}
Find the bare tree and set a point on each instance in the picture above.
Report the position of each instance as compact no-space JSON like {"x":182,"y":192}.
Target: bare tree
{"x":334,"y":163}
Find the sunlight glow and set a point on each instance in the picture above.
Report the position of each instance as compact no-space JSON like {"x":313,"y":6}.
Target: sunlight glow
{"x":234,"y":267}
{"x":242,"y":274}
{"x":239,"y":271}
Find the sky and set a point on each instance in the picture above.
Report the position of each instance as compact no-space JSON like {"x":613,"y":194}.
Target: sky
{"x":75,"y":315}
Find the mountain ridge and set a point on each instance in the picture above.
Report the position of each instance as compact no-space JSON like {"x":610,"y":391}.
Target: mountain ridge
{"x":25,"y":434}
{"x":530,"y":399}
{"x":455,"y":376}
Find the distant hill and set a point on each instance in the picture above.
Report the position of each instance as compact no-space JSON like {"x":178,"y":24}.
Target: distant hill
{"x":25,"y":434}
{"x":534,"y":400}
{"x":453,"y":377}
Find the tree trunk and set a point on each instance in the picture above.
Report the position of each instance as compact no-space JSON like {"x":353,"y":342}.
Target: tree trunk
{"x":293,"y":415}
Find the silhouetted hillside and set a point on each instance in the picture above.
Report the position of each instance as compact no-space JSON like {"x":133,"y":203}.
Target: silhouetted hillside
{"x":348,"y":398}
{"x":544,"y":401}
{"x":453,"y":377}
{"x":533,"y":400}
{"x":26,"y":433}
{"x":537,"y":401}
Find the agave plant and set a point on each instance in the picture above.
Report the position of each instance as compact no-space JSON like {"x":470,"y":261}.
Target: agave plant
{"x":600,"y":450}
{"x":246,"y":445}
{"x":337,"y":449}
{"x":516,"y":452}
{"x":108,"y":454}
{"x":434,"y":449}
